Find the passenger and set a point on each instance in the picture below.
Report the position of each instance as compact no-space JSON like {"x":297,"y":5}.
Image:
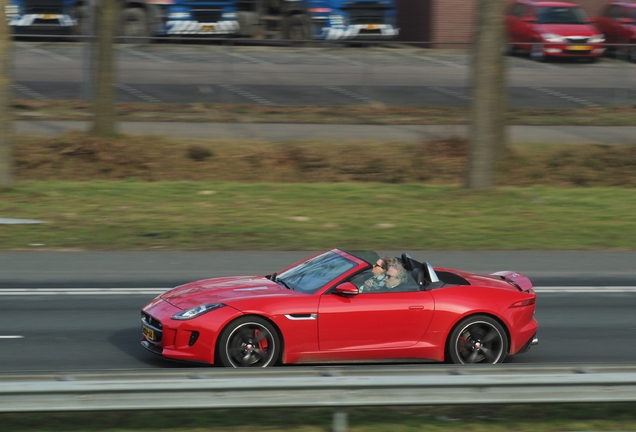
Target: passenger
{"x":396,"y":275}
{"x":377,"y":281}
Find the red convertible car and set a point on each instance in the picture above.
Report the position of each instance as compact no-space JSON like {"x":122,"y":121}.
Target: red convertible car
{"x":320,"y":310}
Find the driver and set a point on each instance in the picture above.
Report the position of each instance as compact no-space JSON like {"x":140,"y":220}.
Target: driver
{"x":395,"y":276}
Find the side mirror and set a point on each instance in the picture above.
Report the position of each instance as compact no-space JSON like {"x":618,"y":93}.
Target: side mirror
{"x":347,"y":289}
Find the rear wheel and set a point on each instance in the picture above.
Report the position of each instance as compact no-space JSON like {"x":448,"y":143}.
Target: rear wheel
{"x":297,"y":28}
{"x":477,"y":339}
{"x":249,"y":342}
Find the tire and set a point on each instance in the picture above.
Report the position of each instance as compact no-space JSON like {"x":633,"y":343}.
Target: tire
{"x":631,"y":56}
{"x":249,"y":342}
{"x":297,"y":28}
{"x":133,"y":26}
{"x":536,"y":53}
{"x":477,"y":339}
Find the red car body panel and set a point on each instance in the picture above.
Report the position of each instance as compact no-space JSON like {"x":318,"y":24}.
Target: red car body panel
{"x":525,"y":31}
{"x":617,"y":20}
{"x":323,"y":326}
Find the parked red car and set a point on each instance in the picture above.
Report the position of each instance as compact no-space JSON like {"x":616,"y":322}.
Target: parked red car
{"x":321,"y":310}
{"x":617,"y":21}
{"x":552,"y":29}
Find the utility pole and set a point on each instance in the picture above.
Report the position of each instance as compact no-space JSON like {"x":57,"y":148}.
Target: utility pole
{"x":6,"y":156}
{"x":488,"y":107}
{"x":104,"y":94}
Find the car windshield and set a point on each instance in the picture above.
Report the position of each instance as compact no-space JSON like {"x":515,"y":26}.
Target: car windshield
{"x":313,"y":274}
{"x":561,"y":15}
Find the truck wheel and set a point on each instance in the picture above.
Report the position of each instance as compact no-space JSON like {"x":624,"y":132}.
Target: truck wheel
{"x":80,"y":31}
{"x":133,"y":26}
{"x":297,"y":28}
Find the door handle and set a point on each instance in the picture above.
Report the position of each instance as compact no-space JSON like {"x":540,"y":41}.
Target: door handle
{"x":417,"y":307}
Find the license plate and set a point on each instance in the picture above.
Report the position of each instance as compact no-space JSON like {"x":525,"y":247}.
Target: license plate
{"x":148,"y":333}
{"x":48,"y":16}
{"x":208,"y":28}
{"x":372,"y":27}
{"x":580,"y":48}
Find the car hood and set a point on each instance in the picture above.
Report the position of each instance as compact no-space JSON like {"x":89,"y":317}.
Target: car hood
{"x":222,"y":290}
{"x":568,"y":29}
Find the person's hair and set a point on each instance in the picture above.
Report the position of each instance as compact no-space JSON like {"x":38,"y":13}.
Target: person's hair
{"x":402,"y":275}
{"x":388,"y":262}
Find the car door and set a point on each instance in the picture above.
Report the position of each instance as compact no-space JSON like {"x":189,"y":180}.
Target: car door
{"x":374,"y":320}
{"x":608,"y":23}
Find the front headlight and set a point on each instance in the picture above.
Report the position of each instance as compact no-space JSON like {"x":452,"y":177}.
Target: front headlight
{"x":197,"y":311}
{"x":597,"y":38}
{"x":554,"y":38}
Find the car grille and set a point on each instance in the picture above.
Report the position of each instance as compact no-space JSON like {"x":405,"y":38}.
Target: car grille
{"x":154,"y":324}
{"x":207,"y":15}
{"x":365,"y":13}
{"x":578,"y":40}
{"x":43,"y":7}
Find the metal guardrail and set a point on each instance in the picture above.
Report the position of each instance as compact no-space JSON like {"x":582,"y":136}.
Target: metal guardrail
{"x":316,"y":387}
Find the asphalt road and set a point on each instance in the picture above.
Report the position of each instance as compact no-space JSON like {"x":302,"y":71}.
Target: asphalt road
{"x":323,"y":76}
{"x":585,"y":302}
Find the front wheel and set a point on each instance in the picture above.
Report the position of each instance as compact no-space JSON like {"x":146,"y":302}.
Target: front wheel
{"x":536,"y":53}
{"x":249,"y":342}
{"x":477,"y":339}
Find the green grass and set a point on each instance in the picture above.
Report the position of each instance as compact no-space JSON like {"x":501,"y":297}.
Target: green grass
{"x":135,"y":215}
{"x":553,"y":417}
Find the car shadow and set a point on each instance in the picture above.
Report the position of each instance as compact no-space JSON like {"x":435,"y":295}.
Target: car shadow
{"x":127,"y":341}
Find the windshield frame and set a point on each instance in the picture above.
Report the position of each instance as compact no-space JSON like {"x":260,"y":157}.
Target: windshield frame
{"x":323,"y":270}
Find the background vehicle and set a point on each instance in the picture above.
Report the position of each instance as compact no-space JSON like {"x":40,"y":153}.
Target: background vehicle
{"x":275,"y":19}
{"x":314,"y":312}
{"x":552,"y":29}
{"x":41,"y":16}
{"x":617,"y":21}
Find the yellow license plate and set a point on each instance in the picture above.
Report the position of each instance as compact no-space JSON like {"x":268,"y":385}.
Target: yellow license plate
{"x":148,"y":333}
{"x":208,"y":28}
{"x":372,"y":27}
{"x":48,"y":16}
{"x":580,"y":48}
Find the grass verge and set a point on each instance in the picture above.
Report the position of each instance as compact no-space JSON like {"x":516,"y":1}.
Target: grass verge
{"x":553,"y":417}
{"x":136,"y":215}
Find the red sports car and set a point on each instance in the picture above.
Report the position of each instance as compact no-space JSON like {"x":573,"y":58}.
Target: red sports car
{"x":324,"y":309}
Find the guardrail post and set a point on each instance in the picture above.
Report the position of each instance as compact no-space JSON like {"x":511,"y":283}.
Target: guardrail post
{"x":340,"y":420}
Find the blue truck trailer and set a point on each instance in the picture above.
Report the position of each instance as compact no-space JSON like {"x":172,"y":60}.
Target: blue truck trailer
{"x":41,"y":16}
{"x":141,"y":20}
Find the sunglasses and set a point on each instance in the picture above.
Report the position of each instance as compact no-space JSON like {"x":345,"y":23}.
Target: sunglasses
{"x":377,"y":265}
{"x":390,"y":276}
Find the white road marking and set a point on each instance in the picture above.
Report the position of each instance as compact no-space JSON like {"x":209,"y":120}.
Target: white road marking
{"x":350,"y":94}
{"x":156,"y":291}
{"x":49,"y":54}
{"x":29,"y":92}
{"x":566,"y":97}
{"x":343,"y":59}
{"x":451,"y":93}
{"x":12,"y":337}
{"x":247,"y":94}
{"x":585,"y":289}
{"x":248,"y":58}
{"x":80,"y":291}
{"x":133,"y":91}
{"x":146,"y":55}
